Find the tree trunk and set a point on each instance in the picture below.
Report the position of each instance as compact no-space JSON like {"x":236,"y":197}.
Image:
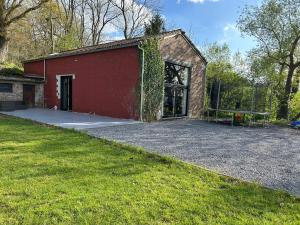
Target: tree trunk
{"x":3,"y":47}
{"x":3,"y":35}
{"x":284,"y":101}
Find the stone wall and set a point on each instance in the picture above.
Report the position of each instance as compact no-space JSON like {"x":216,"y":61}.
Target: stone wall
{"x":39,"y":95}
{"x":176,"y":49}
{"x":16,"y":95}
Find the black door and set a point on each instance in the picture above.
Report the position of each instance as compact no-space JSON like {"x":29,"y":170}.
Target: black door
{"x":29,"y":95}
{"x":66,"y":93}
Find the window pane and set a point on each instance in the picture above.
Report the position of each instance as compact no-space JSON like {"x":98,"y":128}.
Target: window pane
{"x":6,"y":87}
{"x":168,"y":101}
{"x":180,"y":101}
{"x":176,"y":74}
{"x":176,"y":90}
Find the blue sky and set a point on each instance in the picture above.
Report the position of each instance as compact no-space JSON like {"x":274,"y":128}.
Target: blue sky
{"x":209,"y":20}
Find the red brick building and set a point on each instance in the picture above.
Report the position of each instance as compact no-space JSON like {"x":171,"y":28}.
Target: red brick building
{"x":102,"y":79}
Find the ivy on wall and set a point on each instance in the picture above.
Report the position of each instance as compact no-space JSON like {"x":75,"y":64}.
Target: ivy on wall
{"x":153,"y":83}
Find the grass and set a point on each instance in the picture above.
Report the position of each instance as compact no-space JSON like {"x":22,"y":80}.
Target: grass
{"x":281,"y":123}
{"x":55,"y":176}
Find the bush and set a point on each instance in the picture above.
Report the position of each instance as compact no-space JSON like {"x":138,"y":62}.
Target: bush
{"x":295,"y":107}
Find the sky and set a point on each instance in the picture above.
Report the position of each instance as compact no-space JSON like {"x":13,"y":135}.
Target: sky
{"x":208,"y":21}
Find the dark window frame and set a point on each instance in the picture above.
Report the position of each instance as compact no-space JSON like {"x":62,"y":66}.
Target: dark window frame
{"x":6,"y":88}
{"x":179,"y":86}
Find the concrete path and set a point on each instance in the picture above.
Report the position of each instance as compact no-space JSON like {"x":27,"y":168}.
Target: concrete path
{"x":269,"y":156}
{"x":71,"y":120}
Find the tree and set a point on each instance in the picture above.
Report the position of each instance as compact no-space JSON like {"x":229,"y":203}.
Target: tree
{"x":276,"y":26}
{"x":69,"y":7}
{"x":80,"y":26}
{"x":41,"y":33}
{"x":217,"y":70}
{"x":12,"y":11}
{"x":263,"y":70}
{"x":156,"y":26}
{"x":133,"y":15}
{"x":101,"y":13}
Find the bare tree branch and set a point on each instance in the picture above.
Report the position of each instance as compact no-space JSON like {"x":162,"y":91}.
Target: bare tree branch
{"x":24,"y":13}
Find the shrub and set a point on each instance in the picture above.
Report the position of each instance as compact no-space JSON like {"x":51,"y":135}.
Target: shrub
{"x":295,"y":106}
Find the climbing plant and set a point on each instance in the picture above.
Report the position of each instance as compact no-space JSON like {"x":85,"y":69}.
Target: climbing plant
{"x":153,"y":81}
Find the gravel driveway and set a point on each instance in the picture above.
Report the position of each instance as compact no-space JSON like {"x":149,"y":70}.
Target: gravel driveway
{"x":269,"y":156}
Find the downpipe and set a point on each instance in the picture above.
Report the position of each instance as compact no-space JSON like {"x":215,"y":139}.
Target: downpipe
{"x":142,"y":83}
{"x":44,"y":103}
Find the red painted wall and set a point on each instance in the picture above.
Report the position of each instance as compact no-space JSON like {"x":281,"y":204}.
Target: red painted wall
{"x":34,"y":68}
{"x":104,"y":82}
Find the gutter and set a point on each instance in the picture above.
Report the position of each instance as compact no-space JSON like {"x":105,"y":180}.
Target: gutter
{"x":21,"y":79}
{"x":142,"y":83}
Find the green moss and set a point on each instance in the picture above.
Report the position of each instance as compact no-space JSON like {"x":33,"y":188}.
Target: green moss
{"x":55,"y":176}
{"x":10,"y":69}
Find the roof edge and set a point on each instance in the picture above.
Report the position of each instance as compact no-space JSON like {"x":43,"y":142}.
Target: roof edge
{"x":117,"y":45}
{"x":65,"y":54}
{"x":194,"y":47}
{"x":21,"y":79}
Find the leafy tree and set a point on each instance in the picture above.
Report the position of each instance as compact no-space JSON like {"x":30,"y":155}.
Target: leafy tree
{"x":263,"y":71}
{"x":67,"y":41}
{"x":218,"y":69}
{"x":12,"y":11}
{"x":156,"y":26}
{"x":276,"y":26}
{"x":235,"y":81}
{"x":42,"y":33}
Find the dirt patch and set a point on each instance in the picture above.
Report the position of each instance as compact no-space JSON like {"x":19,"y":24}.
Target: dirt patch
{"x":2,"y":116}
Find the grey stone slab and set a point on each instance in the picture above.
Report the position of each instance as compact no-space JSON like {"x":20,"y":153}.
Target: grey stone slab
{"x":70,"y":120}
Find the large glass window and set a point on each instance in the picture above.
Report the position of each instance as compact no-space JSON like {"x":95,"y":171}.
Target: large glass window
{"x":176,"y":90}
{"x":6,"y":87}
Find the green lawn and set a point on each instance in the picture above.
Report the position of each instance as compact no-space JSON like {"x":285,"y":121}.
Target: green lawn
{"x":55,"y":176}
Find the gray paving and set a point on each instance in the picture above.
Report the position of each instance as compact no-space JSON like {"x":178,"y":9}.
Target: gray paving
{"x":70,"y":120}
{"x":269,"y":156}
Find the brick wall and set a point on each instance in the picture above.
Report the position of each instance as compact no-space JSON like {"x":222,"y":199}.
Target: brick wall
{"x":176,"y":49}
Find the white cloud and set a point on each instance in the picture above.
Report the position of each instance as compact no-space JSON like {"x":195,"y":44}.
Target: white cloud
{"x":233,"y":37}
{"x":109,"y":28}
{"x":229,"y":31}
{"x":197,"y":1}
{"x":201,"y":1}
{"x":230,"y":27}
